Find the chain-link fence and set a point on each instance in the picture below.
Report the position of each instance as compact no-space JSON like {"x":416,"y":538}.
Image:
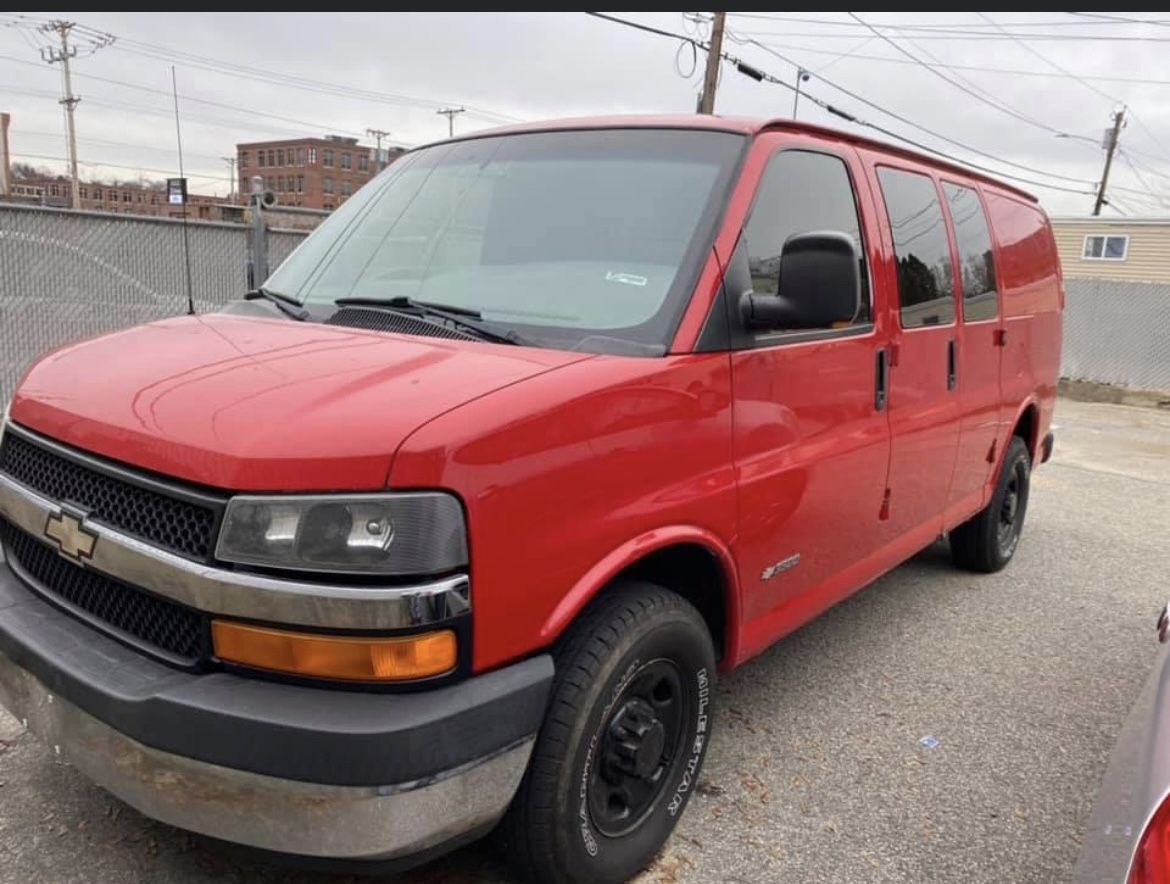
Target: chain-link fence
{"x":1117,"y":333}
{"x":66,"y":275}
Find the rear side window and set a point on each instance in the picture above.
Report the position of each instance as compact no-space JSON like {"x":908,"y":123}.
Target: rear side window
{"x":801,"y":192}
{"x":925,"y":284}
{"x":976,"y":260}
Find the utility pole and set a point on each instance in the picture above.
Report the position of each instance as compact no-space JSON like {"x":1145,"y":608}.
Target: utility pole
{"x":449,"y":113}
{"x":378,"y":135}
{"x":1111,"y":139}
{"x":53,"y":55}
{"x":714,"y":55}
{"x":231,"y":162}
{"x":801,"y":77}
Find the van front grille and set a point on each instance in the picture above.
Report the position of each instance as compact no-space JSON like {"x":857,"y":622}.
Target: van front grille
{"x":181,"y":526}
{"x":146,"y":621}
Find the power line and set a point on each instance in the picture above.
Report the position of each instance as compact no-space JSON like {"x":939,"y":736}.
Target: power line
{"x":928,"y":131}
{"x":159,"y":52}
{"x":959,"y":36}
{"x":1015,"y":72}
{"x":41,"y":156}
{"x":1117,"y":19}
{"x":1150,"y":134}
{"x":219,"y":104}
{"x":215,"y":122}
{"x":935,"y":27}
{"x":760,"y":75}
{"x":1048,"y":61}
{"x":1138,"y":175}
{"x":36,"y":134}
{"x":1002,"y":108}
{"x":288,"y":80}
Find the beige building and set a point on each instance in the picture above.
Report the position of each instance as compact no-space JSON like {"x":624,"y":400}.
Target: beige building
{"x":1127,"y":249}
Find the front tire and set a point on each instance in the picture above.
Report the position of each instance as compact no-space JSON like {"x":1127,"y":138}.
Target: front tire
{"x":622,"y":743}
{"x":987,"y":541}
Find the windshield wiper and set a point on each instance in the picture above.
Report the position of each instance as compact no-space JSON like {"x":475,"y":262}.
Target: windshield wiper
{"x":288,"y":306}
{"x":461,"y":317}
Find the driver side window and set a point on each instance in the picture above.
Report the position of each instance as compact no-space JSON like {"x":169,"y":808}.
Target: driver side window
{"x":801,"y":192}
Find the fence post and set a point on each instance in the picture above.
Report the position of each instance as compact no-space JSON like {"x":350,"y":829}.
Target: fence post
{"x":258,"y":239}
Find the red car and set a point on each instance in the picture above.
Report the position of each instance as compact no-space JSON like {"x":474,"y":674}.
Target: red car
{"x":451,"y":524}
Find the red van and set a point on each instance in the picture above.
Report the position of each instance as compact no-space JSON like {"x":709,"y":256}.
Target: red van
{"x":450,"y":526}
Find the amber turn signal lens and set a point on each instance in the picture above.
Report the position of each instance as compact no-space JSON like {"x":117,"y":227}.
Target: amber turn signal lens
{"x":334,"y":656}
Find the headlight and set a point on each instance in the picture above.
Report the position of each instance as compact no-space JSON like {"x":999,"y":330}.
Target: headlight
{"x":392,"y":534}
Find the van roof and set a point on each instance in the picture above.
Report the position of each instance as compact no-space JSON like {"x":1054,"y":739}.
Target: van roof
{"x":744,"y":125}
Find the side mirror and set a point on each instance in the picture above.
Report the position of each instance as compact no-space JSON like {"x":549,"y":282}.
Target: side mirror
{"x":820,"y":284}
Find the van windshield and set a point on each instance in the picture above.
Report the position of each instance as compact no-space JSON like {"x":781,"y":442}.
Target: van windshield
{"x":588,"y":240}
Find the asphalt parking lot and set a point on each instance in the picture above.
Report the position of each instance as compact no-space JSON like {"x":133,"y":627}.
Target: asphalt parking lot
{"x":819,"y":770}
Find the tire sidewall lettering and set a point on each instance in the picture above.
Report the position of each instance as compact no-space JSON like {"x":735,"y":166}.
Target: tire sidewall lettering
{"x":690,"y":769}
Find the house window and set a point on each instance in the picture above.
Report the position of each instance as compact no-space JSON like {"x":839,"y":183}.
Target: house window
{"x":272,"y":158}
{"x":363,"y":162}
{"x":97,"y":193}
{"x":326,"y":157}
{"x":154,"y":199}
{"x":346,"y":188}
{"x":125,"y":196}
{"x":1105,"y":248}
{"x":53,"y":191}
{"x":327,"y":185}
{"x":84,"y":191}
{"x":300,"y":184}
{"x":312,"y":156}
{"x":243,"y":159}
{"x":259,"y":158}
{"x":280,"y":158}
{"x":346,"y":161}
{"x":300,"y":156}
{"x":328,"y":207}
{"x":140,"y":196}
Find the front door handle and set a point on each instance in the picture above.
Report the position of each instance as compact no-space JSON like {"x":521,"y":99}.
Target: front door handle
{"x":951,"y":376}
{"x":881,"y":380}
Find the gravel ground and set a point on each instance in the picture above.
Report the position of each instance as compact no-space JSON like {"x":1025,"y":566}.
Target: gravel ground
{"x":818,"y":772}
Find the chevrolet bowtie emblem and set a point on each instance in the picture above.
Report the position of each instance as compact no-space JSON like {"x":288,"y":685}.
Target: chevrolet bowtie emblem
{"x":72,"y":539}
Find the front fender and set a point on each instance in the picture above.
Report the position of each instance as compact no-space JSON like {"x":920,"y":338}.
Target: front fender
{"x":631,"y":552}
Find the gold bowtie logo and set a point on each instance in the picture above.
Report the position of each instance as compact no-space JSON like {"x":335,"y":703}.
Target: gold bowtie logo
{"x":72,"y":539}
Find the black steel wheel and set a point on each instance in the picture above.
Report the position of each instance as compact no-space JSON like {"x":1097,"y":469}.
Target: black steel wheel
{"x":623,"y":742}
{"x":988,"y":540}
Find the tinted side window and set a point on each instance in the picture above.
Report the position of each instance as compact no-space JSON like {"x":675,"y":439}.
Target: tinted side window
{"x":925,"y":286}
{"x":976,"y":260}
{"x":800,"y":192}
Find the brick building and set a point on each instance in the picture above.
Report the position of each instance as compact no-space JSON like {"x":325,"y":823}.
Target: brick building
{"x":314,"y":173}
{"x":129,"y":199}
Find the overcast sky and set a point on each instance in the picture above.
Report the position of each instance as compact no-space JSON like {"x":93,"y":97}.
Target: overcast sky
{"x":529,"y":66}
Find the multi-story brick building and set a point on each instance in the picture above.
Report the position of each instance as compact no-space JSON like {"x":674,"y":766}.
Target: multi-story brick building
{"x":316,"y":173}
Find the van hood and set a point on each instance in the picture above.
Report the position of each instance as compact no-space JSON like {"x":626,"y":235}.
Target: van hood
{"x":253,"y":404}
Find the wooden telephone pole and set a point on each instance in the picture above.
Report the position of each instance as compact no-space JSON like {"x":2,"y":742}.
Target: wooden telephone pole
{"x":714,"y":56}
{"x":1112,"y":138}
{"x":449,"y":113}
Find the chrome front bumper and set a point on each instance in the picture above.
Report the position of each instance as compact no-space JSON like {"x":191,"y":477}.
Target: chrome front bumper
{"x":338,"y":822}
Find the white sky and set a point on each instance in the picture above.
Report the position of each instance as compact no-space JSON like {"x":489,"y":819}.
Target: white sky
{"x":533,"y":66}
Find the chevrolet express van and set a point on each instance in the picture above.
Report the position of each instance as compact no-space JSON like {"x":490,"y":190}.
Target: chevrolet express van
{"x":450,"y":526}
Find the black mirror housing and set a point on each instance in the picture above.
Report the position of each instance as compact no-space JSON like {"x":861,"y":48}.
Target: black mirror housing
{"x":820,"y":285}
